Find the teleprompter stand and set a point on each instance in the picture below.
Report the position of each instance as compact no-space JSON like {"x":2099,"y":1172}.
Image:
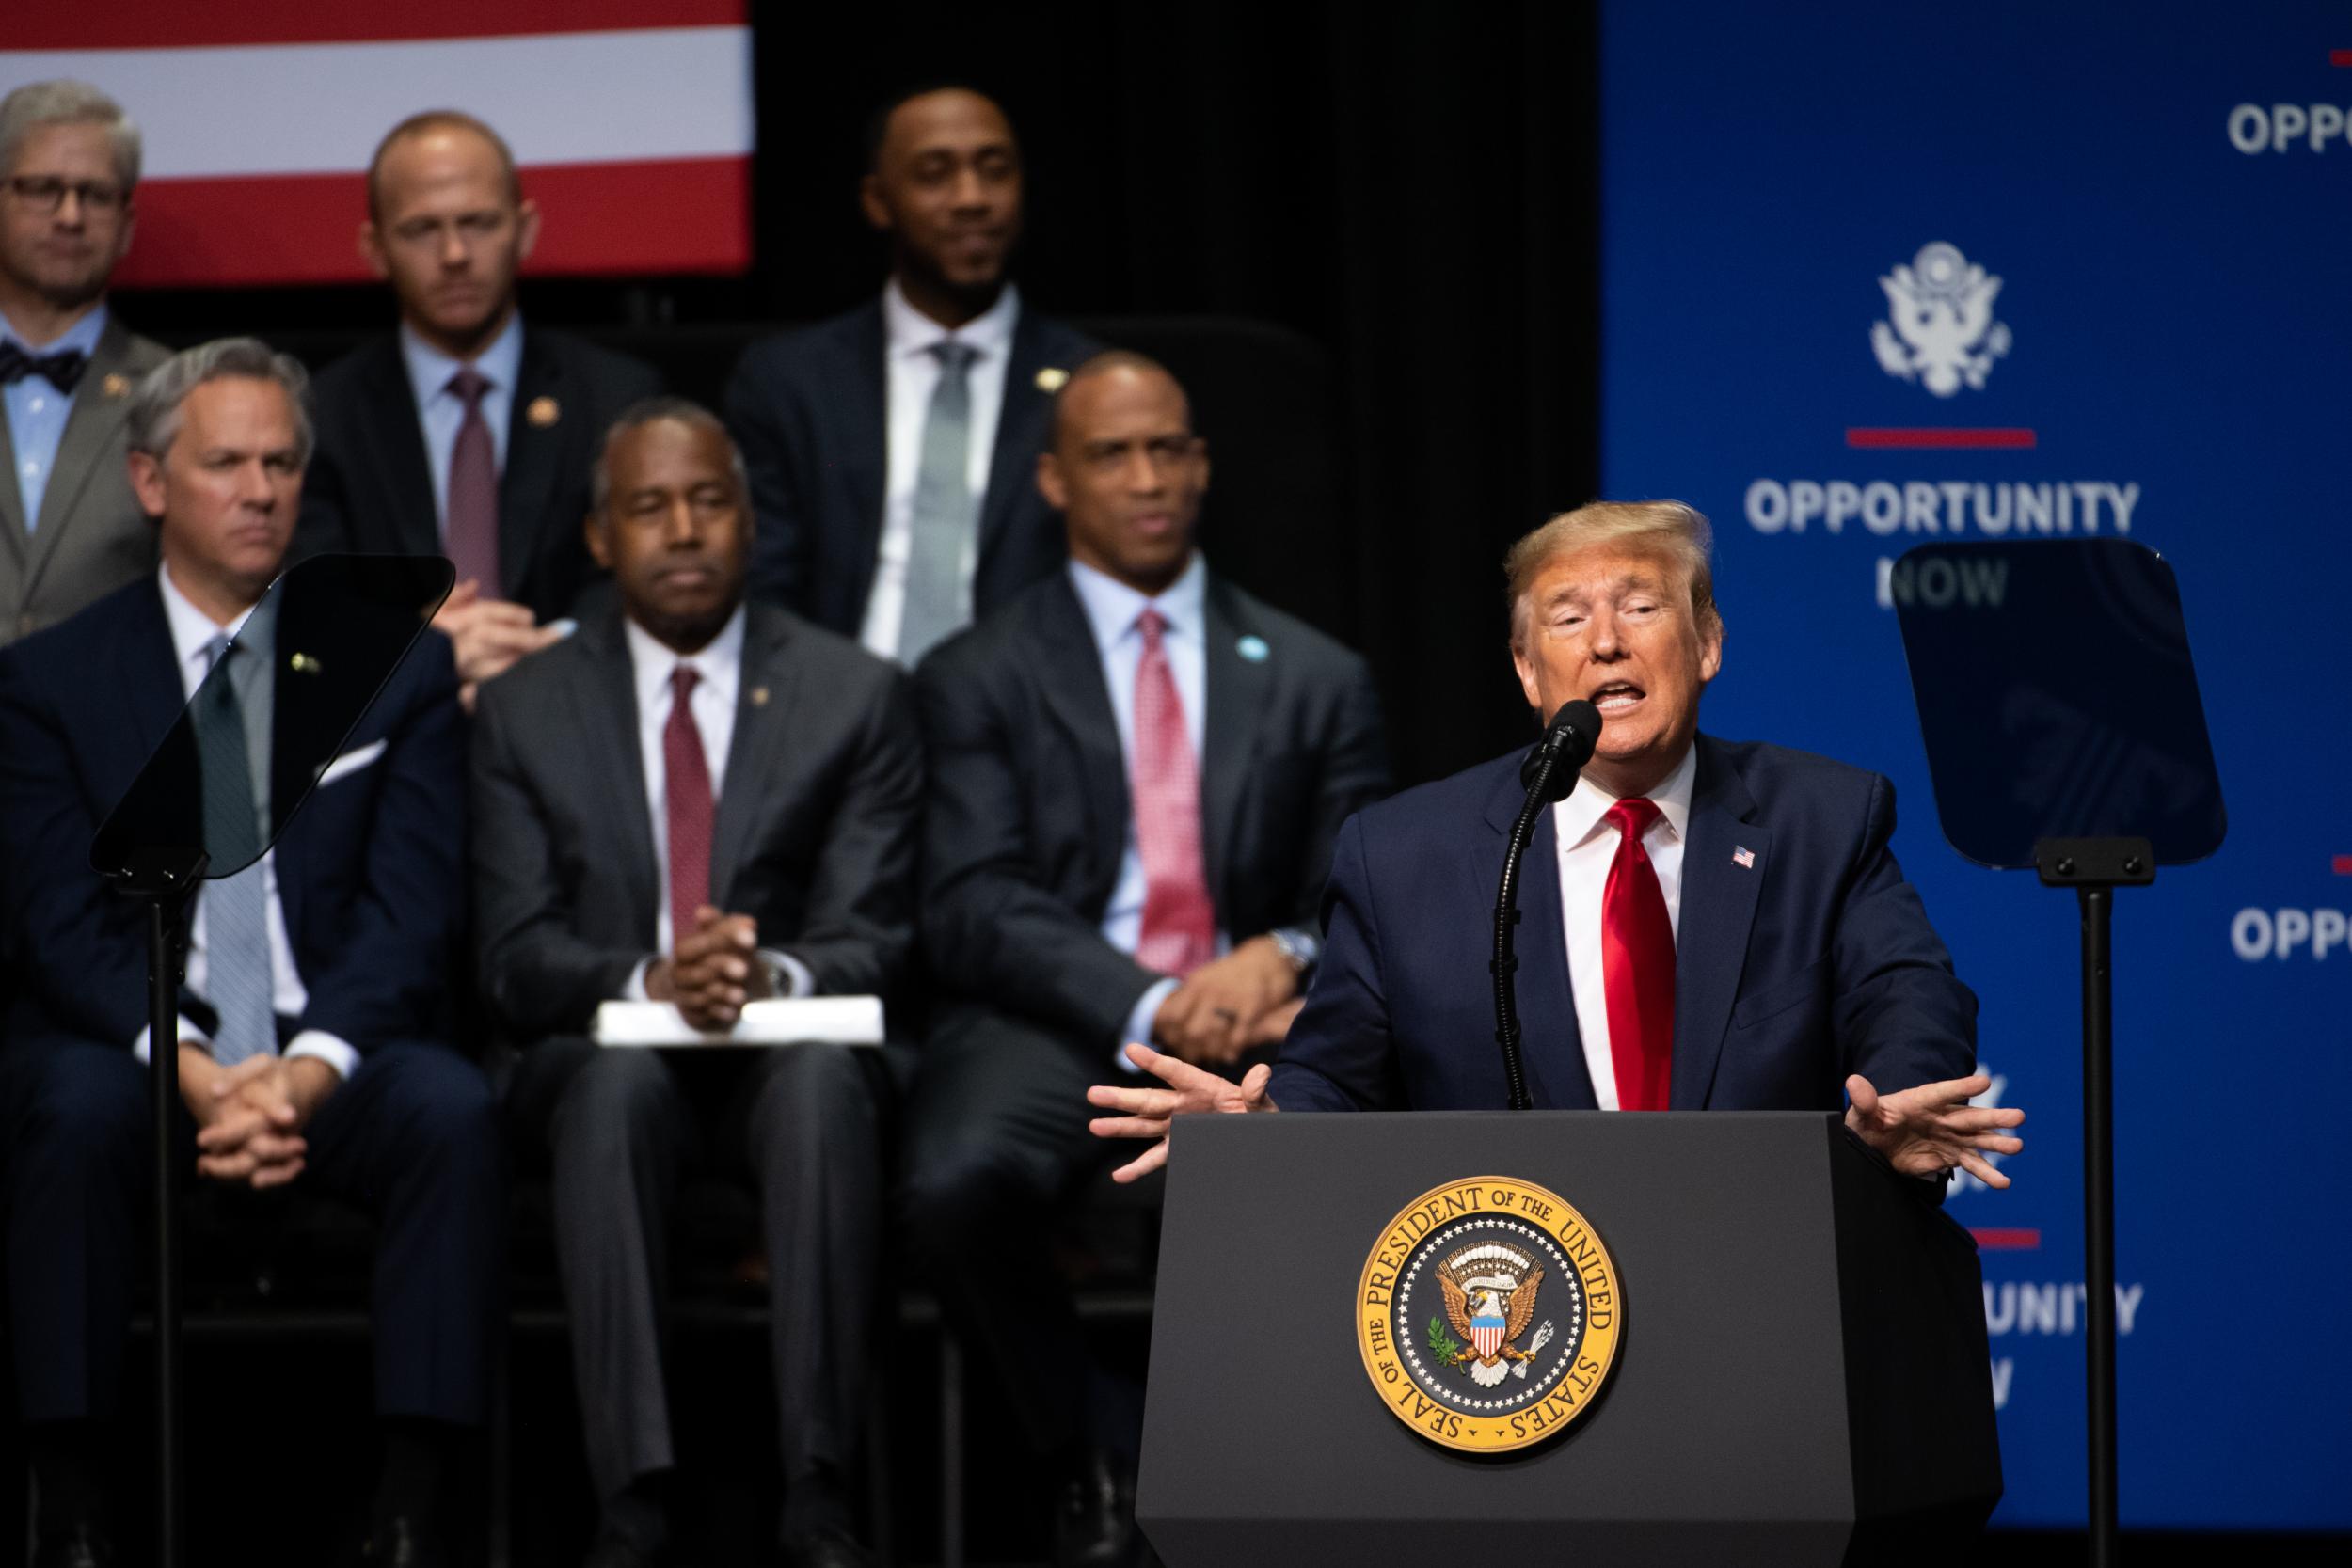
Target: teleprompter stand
{"x":1803,"y":1375}
{"x":319,"y":646}
{"x":2065,"y":732}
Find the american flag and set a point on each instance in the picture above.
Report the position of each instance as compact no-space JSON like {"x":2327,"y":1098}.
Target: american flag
{"x":1743,"y":856}
{"x":631,"y":121}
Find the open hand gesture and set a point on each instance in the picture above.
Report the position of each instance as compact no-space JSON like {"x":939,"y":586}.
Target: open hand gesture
{"x":1148,"y":1112}
{"x":1934,"y":1128}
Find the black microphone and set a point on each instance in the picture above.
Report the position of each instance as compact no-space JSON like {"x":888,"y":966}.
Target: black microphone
{"x":1567,"y":744}
{"x":1548,"y":774}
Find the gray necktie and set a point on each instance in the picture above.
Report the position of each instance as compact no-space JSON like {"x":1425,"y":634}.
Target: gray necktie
{"x":943,"y":510}
{"x":236,"y":909}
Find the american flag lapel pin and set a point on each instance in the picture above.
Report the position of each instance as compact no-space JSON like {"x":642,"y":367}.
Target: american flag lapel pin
{"x":1743,"y":858}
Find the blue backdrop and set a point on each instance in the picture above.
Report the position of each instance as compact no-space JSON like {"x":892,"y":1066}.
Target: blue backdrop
{"x":2124,"y":304}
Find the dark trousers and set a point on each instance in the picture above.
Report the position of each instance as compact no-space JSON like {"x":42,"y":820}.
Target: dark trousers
{"x":996,"y":1142}
{"x":620,"y":1127}
{"x":412,"y":1138}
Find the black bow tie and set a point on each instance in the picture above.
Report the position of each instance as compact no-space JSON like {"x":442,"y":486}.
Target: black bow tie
{"x":62,"y":370}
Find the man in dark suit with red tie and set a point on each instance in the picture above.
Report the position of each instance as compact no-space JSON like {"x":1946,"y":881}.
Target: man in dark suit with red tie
{"x":1136,"y":773}
{"x":703,"y":802}
{"x":891,"y":447}
{"x":468,"y":433}
{"x":1707,"y":925}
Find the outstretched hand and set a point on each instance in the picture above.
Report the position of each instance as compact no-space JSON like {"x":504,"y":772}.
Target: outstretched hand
{"x":1932,"y":1128}
{"x":1146,"y":1113}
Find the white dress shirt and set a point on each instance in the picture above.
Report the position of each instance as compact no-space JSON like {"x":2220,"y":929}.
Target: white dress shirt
{"x":1112,"y":610}
{"x":38,"y":412}
{"x":192,"y":632}
{"x":911,"y":373}
{"x":719,"y":666}
{"x":1588,"y":842}
{"x":441,"y":411}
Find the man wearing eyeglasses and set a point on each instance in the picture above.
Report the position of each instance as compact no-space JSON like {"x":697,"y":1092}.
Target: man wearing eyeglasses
{"x":71,"y":530}
{"x":468,"y":433}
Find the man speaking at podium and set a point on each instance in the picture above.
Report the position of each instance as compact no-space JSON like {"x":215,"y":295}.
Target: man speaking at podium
{"x":1706,"y":925}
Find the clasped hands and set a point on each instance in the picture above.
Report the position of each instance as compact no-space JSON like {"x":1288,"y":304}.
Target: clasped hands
{"x":250,"y":1117}
{"x":713,"y":969}
{"x":488,"y":636}
{"x":1230,"y":1004}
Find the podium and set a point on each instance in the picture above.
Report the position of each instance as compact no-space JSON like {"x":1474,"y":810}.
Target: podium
{"x":1801,"y":1374}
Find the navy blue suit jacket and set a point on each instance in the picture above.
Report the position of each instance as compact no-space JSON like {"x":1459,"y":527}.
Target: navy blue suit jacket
{"x":810,"y":409}
{"x":369,"y":870}
{"x":1813,"y":962}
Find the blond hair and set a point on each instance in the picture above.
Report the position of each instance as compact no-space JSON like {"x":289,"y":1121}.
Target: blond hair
{"x":1670,"y":530}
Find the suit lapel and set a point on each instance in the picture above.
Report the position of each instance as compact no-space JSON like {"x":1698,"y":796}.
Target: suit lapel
{"x":1070,"y":671}
{"x":12,"y":539}
{"x":535,"y":454}
{"x":395,"y":435}
{"x":767,"y":689}
{"x":604,"y":703}
{"x":857,"y":436}
{"x":1237,"y":693}
{"x":149,"y":678}
{"x":1019,"y":432}
{"x":89,"y":430}
{"x":1719,"y":897}
{"x":1551,"y":1047}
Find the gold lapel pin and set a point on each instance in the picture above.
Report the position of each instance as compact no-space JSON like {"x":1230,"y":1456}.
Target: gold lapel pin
{"x":1052,"y":379}
{"x":302,"y":664}
{"x":543,"y":412}
{"x":116,"y":385}
{"x":759,"y":696}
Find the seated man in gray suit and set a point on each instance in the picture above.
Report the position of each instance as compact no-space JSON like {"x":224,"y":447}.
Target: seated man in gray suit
{"x":70,"y":532}
{"x":1137,"y":772}
{"x":703,"y":802}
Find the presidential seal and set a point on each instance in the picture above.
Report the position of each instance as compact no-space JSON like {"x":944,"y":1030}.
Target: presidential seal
{"x":1488,"y":1315}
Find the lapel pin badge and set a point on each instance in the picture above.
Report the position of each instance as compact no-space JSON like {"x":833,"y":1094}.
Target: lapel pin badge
{"x":116,"y":385}
{"x":1053,"y":378}
{"x":543,"y":412}
{"x":302,"y":664}
{"x":1744,"y":858}
{"x":759,"y":696}
{"x":1252,"y":648}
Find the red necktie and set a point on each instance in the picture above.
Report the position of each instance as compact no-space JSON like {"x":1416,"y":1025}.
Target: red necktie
{"x":473,"y":490}
{"x":687,"y":772}
{"x":1637,"y":961}
{"x":1179,"y":921}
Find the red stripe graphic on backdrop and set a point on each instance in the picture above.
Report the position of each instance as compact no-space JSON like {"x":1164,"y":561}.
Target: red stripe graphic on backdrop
{"x":176,"y":25}
{"x":2340,"y":56}
{"x":1994,"y":1239}
{"x":1938,"y":438}
{"x":2344,"y":866}
{"x":680,"y":215}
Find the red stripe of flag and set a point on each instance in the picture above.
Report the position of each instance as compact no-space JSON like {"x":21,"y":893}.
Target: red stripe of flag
{"x":1938,"y":438}
{"x":176,"y":25}
{"x":1994,"y":1239}
{"x":669,"y":215}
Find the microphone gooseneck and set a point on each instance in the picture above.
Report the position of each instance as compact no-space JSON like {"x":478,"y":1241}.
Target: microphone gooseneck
{"x":1548,"y":773}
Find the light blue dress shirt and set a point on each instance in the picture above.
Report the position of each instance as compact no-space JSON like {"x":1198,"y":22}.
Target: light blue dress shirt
{"x":440,"y":411}
{"x":38,"y":411}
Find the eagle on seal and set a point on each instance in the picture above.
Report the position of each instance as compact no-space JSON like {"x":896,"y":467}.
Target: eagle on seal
{"x":1490,"y":1299}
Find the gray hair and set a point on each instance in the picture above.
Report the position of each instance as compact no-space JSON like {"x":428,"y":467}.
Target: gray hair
{"x":153,"y":417}
{"x":646,"y":411}
{"x":66,"y":102}
{"x":1677,"y":532}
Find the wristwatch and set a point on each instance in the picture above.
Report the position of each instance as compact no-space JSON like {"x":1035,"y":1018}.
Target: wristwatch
{"x":1297,"y":952}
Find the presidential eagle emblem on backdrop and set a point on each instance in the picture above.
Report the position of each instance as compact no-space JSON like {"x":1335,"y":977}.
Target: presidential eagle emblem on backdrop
{"x":1489,"y":1314}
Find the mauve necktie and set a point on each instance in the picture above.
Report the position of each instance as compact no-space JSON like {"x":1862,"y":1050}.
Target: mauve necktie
{"x":472,"y":531}
{"x":687,"y":789}
{"x":1637,"y":958}
{"x":1179,"y":921}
